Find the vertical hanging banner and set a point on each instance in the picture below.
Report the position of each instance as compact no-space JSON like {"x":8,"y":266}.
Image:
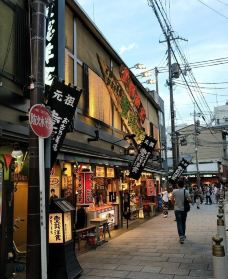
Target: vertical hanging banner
{"x":62,"y":100}
{"x":145,"y":150}
{"x":180,"y":168}
{"x":51,"y":50}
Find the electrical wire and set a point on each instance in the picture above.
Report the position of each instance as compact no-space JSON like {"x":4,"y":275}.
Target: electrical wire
{"x":222,"y":2}
{"x":217,"y":12}
{"x":168,"y":33}
{"x":204,"y":87}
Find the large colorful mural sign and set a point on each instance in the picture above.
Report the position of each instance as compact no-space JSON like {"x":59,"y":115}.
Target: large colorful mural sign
{"x":125,"y":99}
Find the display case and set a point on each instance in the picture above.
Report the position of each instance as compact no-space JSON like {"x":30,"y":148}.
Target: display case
{"x":105,"y":212}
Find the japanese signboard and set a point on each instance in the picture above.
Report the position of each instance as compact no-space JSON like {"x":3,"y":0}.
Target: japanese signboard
{"x":145,"y":150}
{"x":40,"y":121}
{"x":55,"y":228}
{"x":63,"y":101}
{"x":123,"y":102}
{"x":84,"y":188}
{"x":180,"y":169}
{"x":51,"y":51}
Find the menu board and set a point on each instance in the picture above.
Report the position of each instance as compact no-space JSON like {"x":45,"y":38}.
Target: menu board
{"x":68,"y":193}
{"x":100,"y":171}
{"x":110,"y":173}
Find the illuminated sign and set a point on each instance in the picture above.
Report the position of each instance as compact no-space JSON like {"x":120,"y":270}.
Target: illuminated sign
{"x":110,"y":172}
{"x":100,"y":171}
{"x":55,"y":228}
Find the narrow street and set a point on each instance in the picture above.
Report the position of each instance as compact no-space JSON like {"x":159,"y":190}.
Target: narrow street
{"x":152,"y":250}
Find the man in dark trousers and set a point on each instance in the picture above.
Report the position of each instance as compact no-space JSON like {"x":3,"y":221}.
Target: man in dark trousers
{"x":181,"y":215}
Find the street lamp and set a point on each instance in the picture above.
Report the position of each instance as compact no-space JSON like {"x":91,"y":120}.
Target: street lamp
{"x":145,"y":74}
{"x":149,"y":81}
{"x":138,"y":66}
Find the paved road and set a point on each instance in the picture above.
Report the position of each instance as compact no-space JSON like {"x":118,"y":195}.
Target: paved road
{"x":152,"y":250}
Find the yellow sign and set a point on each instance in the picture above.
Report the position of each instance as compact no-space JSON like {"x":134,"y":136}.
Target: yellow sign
{"x":110,"y":172}
{"x":64,"y":181}
{"x":67,"y":226}
{"x":55,"y":228}
{"x":100,"y":171}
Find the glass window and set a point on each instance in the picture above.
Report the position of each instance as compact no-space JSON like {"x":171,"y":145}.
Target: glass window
{"x":69,"y":29}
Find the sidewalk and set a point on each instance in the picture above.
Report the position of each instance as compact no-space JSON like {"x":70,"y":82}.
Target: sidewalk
{"x":152,"y":250}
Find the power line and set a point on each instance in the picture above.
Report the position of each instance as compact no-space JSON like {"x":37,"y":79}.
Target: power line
{"x":217,"y":12}
{"x":204,"y":87}
{"x":222,"y":2}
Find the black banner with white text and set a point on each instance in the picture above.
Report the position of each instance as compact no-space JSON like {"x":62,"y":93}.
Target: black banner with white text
{"x":145,"y":150}
{"x":62,"y":100}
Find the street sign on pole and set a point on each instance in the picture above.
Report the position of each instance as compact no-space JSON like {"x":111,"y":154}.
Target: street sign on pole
{"x":40,"y":120}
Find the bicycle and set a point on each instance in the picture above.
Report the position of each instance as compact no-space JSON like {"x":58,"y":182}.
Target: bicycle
{"x":18,"y":256}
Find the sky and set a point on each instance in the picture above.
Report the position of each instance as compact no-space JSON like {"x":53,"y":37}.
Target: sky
{"x":132,"y":29}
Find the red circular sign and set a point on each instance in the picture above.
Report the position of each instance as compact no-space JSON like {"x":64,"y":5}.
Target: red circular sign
{"x":40,"y":121}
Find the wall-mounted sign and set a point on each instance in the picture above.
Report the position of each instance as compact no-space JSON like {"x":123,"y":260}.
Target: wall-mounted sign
{"x":84,"y":188}
{"x":54,"y":186}
{"x":144,"y":152}
{"x":180,"y":168}
{"x":100,"y":171}
{"x":63,"y":101}
{"x":55,"y":228}
{"x":64,"y":182}
{"x":110,"y":172}
{"x":150,"y":187}
{"x":122,"y":102}
{"x":132,"y":92}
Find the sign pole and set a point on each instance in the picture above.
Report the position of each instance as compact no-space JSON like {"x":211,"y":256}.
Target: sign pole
{"x":43,"y":232}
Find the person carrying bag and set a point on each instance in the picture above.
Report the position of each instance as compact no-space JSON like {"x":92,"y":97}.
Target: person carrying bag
{"x":181,"y":208}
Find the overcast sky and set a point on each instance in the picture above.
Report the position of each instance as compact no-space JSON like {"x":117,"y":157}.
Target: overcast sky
{"x":132,"y":29}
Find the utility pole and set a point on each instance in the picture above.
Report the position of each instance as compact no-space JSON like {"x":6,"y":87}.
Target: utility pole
{"x":196,"y":149}
{"x":163,"y":113}
{"x":38,"y":36}
{"x":172,"y":112}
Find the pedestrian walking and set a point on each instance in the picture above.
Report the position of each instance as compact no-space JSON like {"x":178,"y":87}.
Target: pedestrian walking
{"x":179,"y":195}
{"x":208,"y":195}
{"x":165,"y":203}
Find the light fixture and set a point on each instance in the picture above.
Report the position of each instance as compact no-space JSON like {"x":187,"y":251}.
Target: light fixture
{"x":97,"y":136}
{"x":145,"y":74}
{"x":17,"y":152}
{"x":150,"y":81}
{"x":138,"y":66}
{"x":130,"y":150}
